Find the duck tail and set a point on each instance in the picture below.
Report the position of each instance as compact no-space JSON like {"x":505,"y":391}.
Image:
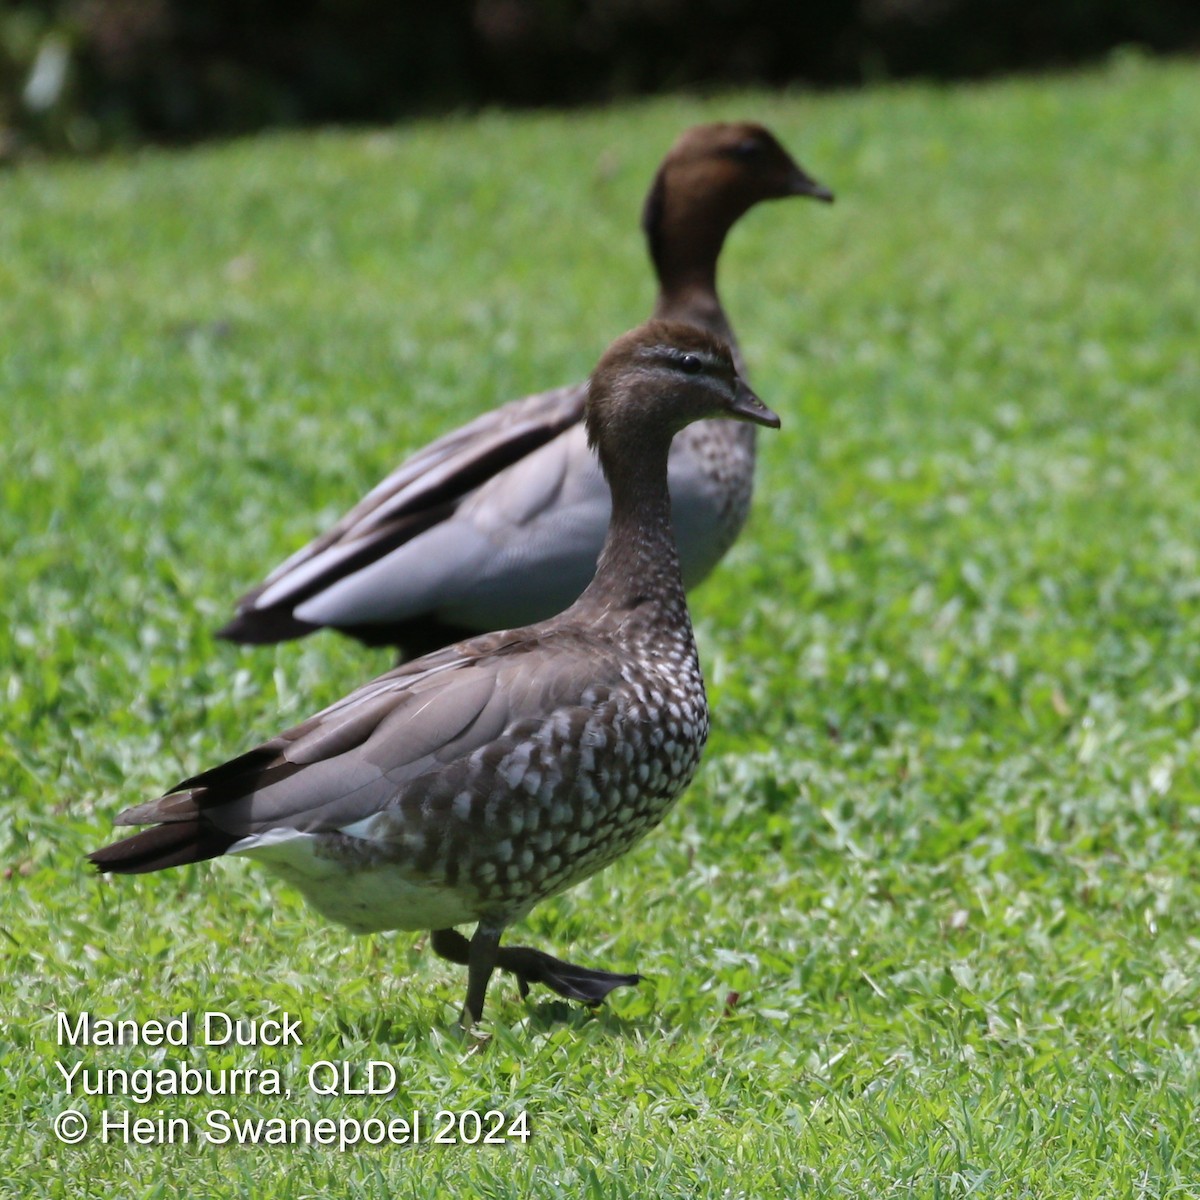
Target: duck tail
{"x":174,"y":844}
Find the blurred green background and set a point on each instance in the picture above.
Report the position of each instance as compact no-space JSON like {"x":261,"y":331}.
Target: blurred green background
{"x":82,"y":75}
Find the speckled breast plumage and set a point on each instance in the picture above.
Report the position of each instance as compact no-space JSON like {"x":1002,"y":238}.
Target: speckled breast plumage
{"x":542,"y":807}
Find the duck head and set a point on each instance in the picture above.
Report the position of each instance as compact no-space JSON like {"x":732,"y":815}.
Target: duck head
{"x":657,"y":379}
{"x":709,"y":178}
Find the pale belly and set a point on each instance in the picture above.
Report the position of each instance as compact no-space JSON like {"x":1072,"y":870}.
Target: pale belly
{"x":364,"y":897}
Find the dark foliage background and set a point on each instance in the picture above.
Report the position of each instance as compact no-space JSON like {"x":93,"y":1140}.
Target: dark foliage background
{"x":83,"y":73}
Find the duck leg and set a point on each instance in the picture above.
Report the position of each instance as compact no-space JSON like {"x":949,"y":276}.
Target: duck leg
{"x":588,"y":984}
{"x":482,"y":953}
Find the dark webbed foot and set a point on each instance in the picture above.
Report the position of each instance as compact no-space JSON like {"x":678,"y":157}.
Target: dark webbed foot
{"x":588,"y":984}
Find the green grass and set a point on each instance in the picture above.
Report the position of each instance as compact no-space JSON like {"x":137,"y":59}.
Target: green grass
{"x":945,"y":840}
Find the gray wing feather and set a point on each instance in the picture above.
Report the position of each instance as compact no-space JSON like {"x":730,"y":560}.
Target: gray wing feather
{"x":522,"y":545}
{"x":357,"y":757}
{"x":411,"y":484}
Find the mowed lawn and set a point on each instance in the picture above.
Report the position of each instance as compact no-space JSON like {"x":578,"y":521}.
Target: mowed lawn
{"x":945,"y":844}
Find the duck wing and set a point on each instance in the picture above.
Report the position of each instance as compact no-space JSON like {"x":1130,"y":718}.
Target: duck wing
{"x":357,"y":757}
{"x":423,"y":492}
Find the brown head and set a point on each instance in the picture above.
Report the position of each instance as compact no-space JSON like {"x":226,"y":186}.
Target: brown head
{"x":655,"y":380}
{"x":711,"y":177}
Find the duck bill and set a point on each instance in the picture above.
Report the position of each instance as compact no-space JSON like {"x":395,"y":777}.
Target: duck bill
{"x":747,"y":406}
{"x":803,"y":184}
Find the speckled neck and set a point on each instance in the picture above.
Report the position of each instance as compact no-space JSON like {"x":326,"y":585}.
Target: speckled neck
{"x":639,"y":564}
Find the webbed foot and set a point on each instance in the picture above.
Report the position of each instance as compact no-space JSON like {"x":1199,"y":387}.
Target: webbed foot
{"x":587,"y":984}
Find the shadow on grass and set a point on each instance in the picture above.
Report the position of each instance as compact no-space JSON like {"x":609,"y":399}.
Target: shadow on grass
{"x":538,"y":1017}
{"x":545,"y":1015}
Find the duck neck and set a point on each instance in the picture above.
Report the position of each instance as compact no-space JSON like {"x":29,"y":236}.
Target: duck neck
{"x":684,"y":247}
{"x":639,"y":564}
{"x":695,"y":302}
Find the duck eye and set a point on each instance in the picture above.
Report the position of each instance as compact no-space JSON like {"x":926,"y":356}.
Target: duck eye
{"x":690,"y":364}
{"x":747,"y":149}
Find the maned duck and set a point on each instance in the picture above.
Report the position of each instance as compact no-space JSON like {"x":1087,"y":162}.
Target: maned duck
{"x":470,"y":784}
{"x":499,"y":523}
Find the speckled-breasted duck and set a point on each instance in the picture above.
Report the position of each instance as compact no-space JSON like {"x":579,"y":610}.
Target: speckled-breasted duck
{"x":472,"y":783}
{"x":499,"y":523}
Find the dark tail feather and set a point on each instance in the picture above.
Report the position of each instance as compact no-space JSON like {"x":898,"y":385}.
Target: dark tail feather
{"x":172,"y":845}
{"x":265,"y":627}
